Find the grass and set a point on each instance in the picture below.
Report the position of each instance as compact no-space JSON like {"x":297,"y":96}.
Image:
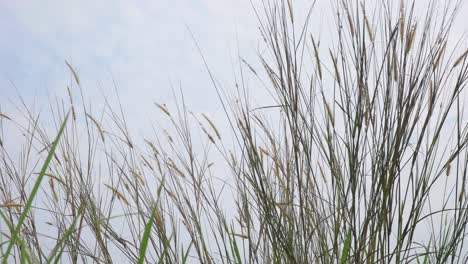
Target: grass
{"x":14,"y":237}
{"x":361,"y":158}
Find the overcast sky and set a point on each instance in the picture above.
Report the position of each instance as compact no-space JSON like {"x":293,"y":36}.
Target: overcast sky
{"x":143,"y":44}
{"x":146,"y":46}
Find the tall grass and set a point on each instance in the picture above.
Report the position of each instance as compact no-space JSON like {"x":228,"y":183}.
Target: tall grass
{"x":361,"y":159}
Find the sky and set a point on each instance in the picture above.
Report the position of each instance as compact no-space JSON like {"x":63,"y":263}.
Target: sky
{"x":144,"y":50}
{"x":145,"y":46}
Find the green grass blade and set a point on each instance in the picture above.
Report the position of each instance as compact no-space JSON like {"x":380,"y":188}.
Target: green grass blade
{"x":147,"y":231}
{"x":166,"y":247}
{"x":34,"y":191}
{"x":426,"y":257}
{"x":235,"y":247}
{"x":185,"y":256}
{"x":20,"y":241}
{"x":145,"y":238}
{"x":345,"y":252}
{"x":65,"y":236}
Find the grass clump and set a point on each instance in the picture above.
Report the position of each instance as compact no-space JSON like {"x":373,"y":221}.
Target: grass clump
{"x":361,"y":158}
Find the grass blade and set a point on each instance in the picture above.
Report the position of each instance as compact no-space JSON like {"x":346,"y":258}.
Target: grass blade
{"x":20,"y":241}
{"x":147,"y":231}
{"x":345,"y":252}
{"x":185,"y":256}
{"x":73,"y":72}
{"x":64,"y":237}
{"x":34,"y":191}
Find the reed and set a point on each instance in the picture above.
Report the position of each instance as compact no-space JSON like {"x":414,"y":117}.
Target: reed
{"x":362,"y":159}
